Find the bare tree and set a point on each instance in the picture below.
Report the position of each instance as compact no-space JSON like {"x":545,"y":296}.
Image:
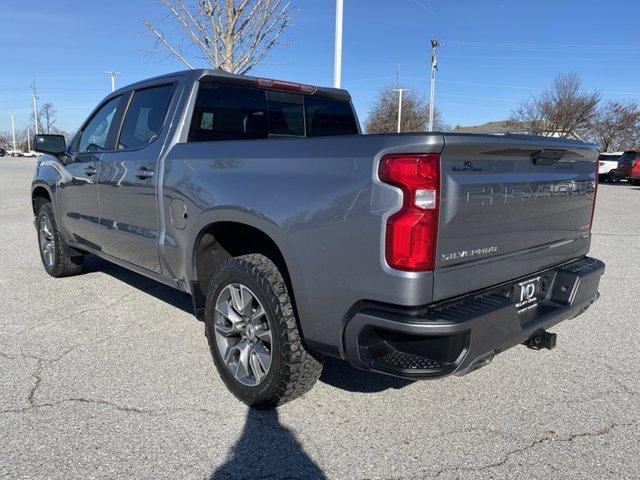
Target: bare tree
{"x":47,"y":117}
{"x":232,"y":35}
{"x":563,"y":110}
{"x":6,"y":140}
{"x":383,"y":116}
{"x":617,"y":126}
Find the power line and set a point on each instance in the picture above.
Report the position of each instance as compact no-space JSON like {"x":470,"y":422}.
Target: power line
{"x":476,"y":44}
{"x":424,"y":7}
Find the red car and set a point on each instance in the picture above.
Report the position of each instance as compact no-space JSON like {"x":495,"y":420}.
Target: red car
{"x":629,"y":166}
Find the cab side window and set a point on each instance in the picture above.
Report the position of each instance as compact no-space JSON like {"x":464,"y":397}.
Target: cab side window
{"x":95,"y":134}
{"x":145,"y":116}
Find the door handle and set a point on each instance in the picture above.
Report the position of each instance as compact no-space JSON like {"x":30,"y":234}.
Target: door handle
{"x":144,"y":172}
{"x":90,"y":170}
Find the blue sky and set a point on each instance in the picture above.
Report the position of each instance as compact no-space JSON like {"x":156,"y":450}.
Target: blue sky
{"x":496,"y":53}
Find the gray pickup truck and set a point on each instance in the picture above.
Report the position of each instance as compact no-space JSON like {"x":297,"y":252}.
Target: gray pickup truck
{"x":417,"y":255}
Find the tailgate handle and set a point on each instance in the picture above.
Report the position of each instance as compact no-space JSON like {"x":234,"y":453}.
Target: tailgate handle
{"x":546,"y":157}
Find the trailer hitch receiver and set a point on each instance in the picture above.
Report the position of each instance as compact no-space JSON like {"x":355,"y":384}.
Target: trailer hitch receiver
{"x":541,"y":339}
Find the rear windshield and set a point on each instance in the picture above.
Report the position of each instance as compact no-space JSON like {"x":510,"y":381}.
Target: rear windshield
{"x":225,"y":112}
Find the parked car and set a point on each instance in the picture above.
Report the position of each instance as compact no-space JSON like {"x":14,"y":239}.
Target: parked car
{"x":608,"y":167}
{"x":3,"y":152}
{"x":15,"y":153}
{"x":29,"y":153}
{"x":629,"y":167}
{"x":417,"y":255}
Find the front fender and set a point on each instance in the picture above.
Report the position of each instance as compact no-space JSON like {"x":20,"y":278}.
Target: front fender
{"x":47,"y":175}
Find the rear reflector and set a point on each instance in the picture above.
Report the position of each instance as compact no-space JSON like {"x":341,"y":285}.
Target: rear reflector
{"x":412,"y":231}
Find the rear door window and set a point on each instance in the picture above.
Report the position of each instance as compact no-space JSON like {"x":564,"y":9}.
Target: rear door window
{"x":145,"y":116}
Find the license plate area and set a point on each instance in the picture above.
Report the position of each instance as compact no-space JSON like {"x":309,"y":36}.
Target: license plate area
{"x":527,"y":294}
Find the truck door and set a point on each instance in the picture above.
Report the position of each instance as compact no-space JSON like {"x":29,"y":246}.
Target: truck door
{"x":77,"y":200}
{"x":128,"y":177}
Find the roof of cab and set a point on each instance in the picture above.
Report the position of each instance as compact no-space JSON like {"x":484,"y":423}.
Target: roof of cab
{"x":211,"y":75}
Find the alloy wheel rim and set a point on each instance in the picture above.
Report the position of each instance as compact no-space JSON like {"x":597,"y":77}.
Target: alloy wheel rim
{"x":243,"y":336}
{"x":47,"y":241}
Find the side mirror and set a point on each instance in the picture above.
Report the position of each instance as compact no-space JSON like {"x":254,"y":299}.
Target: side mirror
{"x":51,"y":144}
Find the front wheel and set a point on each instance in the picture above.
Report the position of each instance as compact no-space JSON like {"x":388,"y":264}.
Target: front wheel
{"x":612,"y":177}
{"x":52,"y":246}
{"x":253,"y":334}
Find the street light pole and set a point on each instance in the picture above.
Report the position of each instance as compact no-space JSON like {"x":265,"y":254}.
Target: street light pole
{"x":400,"y":92}
{"x":112,"y":74}
{"x":434,"y":67}
{"x":35,"y":105}
{"x":13,"y":134}
{"x":337,"y":61}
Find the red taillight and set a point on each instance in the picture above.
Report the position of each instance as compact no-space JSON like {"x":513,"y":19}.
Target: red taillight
{"x":412,"y":231}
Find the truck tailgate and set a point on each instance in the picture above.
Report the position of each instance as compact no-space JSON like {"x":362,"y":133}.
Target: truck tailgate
{"x":510,"y":206}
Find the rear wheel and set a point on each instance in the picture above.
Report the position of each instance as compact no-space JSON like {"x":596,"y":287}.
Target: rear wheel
{"x":634,"y":182}
{"x":613,"y":177}
{"x":52,"y":246}
{"x":253,"y":334}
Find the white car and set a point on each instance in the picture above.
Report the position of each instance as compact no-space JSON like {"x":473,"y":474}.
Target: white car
{"x":608,"y":166}
{"x":14,"y":153}
{"x":29,"y":153}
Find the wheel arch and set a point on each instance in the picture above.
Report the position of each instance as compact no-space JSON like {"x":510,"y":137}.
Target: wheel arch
{"x":39,"y":195}
{"x":220,"y":240}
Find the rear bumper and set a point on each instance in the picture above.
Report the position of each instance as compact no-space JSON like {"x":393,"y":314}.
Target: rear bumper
{"x":461,"y":335}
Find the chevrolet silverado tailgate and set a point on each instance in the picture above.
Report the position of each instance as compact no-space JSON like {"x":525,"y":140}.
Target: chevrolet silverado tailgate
{"x":510,"y":206}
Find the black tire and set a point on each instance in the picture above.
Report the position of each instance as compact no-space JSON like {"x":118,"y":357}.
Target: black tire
{"x":293,"y":369}
{"x":59,"y":264}
{"x":612,"y":177}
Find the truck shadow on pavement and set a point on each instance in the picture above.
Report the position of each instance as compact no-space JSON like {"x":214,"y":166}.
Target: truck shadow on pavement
{"x":267,"y":449}
{"x":340,"y":374}
{"x":162,"y":292}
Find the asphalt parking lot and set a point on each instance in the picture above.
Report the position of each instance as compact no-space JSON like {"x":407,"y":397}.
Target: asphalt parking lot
{"x":108,"y":375}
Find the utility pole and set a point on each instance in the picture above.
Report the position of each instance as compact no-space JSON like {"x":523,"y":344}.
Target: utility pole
{"x":13,"y":134}
{"x":337,"y":60}
{"x":400,"y":92}
{"x":112,"y":74}
{"x":35,"y":104}
{"x":434,"y":67}
{"x":28,"y":140}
